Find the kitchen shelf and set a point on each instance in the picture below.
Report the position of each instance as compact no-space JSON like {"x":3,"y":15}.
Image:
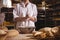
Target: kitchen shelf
{"x":52,"y":15}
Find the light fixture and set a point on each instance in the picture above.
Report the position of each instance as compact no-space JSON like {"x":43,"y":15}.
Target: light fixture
{"x":43,"y":8}
{"x":43,"y":3}
{"x":7,"y":3}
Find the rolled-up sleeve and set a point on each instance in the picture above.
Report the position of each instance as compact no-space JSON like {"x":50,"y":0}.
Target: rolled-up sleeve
{"x":15,"y":12}
{"x":35,"y":12}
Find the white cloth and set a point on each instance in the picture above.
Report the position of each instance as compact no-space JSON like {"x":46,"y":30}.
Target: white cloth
{"x":7,"y":3}
{"x":21,"y":11}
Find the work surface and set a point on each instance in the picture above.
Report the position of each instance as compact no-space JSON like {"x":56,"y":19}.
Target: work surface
{"x":22,"y":37}
{"x":29,"y":37}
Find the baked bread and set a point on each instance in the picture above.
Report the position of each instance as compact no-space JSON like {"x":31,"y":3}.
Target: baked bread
{"x":48,"y":31}
{"x":40,"y":35}
{"x":56,"y":31}
{"x":4,"y":28}
{"x":2,"y":32}
{"x":12,"y":33}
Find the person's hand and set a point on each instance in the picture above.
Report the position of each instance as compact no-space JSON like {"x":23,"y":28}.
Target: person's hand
{"x":30,"y":18}
{"x":27,"y":17}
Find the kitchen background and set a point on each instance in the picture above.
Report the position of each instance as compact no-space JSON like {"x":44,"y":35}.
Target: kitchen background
{"x":48,"y":13}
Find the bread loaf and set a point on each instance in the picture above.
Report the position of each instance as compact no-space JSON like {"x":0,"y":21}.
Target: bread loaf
{"x":48,"y":31}
{"x":40,"y":35}
{"x":56,"y":31}
{"x":12,"y":33}
{"x":2,"y":32}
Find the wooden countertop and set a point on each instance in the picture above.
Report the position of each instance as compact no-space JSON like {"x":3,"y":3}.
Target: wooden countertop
{"x":22,"y":37}
{"x":27,"y":37}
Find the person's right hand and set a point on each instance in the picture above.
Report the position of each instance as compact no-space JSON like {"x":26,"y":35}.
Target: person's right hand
{"x":21,"y":18}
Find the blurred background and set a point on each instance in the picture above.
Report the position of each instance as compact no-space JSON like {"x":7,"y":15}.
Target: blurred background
{"x":48,"y":12}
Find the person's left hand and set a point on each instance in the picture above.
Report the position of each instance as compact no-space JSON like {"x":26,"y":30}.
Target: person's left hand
{"x":28,"y":17}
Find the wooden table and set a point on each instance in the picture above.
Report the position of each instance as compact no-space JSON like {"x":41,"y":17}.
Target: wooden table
{"x":27,"y":37}
{"x":22,"y":37}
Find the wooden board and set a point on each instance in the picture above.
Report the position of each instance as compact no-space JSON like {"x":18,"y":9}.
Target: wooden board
{"x":21,"y":37}
{"x":28,"y":37}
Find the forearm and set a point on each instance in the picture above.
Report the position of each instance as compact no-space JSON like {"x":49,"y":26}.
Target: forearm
{"x":20,"y":19}
{"x":32,"y":19}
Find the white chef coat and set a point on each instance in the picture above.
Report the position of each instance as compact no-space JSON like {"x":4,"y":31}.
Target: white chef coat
{"x":21,"y":11}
